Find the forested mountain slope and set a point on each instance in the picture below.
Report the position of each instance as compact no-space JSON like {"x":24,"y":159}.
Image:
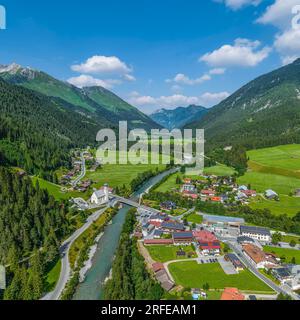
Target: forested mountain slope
{"x":265,"y":112}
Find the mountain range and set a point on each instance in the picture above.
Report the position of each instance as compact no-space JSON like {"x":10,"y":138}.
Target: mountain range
{"x":179,"y":117}
{"x":264,"y":112}
{"x":92,"y":102}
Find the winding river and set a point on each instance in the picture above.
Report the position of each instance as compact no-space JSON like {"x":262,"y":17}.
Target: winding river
{"x":92,"y":287}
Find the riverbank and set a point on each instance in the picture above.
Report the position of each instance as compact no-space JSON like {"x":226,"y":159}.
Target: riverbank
{"x":88,"y":263}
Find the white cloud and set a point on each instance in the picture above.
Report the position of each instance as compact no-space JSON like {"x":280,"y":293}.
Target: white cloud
{"x":150,"y":103}
{"x":287,"y":40}
{"x":243,"y":53}
{"x":217,"y":71}
{"x":238,"y":4}
{"x":129,"y":77}
{"x":183,"y":79}
{"x":288,"y":45}
{"x":102,"y":65}
{"x":89,"y":81}
{"x":279,"y":14}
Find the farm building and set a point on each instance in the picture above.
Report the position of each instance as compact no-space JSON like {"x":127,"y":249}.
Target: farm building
{"x":183,"y":237}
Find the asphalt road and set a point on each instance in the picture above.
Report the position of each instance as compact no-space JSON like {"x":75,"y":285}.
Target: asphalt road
{"x":64,"y":251}
{"x":82,"y":173}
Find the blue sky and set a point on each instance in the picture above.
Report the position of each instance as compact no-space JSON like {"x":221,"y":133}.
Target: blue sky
{"x":152,"y":53}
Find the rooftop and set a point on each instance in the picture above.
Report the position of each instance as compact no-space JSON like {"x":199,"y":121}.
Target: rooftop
{"x":255,"y":253}
{"x":255,"y":230}
{"x":232,"y":294}
{"x":224,"y":219}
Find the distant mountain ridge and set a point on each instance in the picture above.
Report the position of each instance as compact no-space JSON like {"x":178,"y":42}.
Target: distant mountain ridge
{"x":179,"y":117}
{"x":265,"y":112}
{"x":94,"y":102}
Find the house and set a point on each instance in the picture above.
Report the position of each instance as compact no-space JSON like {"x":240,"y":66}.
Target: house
{"x":257,"y":233}
{"x":208,"y":193}
{"x":188,"y":188}
{"x":190,"y":195}
{"x":282,"y":274}
{"x":100,"y":197}
{"x":187,"y":180}
{"x":147,"y":228}
{"x":183,"y":237}
{"x":238,"y":266}
{"x":242,"y":188}
{"x":256,"y":256}
{"x":232,"y":294}
{"x":207,"y":241}
{"x":157,"y":234}
{"x":270,"y":194}
{"x":157,"y":218}
{"x":243,"y":240}
{"x":172,"y":226}
{"x":168,"y":205}
{"x":215,"y":199}
{"x":297,"y":193}
{"x":249,"y":193}
{"x":294,"y":284}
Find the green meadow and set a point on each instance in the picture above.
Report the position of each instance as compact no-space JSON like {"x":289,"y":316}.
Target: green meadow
{"x":162,"y":253}
{"x":219,"y":170}
{"x":276,"y":168}
{"x":190,"y":274}
{"x":285,"y":254}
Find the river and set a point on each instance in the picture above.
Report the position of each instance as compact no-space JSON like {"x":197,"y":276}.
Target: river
{"x":92,"y":287}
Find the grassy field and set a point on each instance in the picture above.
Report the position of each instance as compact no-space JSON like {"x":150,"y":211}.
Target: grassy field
{"x":170,"y":183}
{"x":284,"y":160}
{"x":167,"y":253}
{"x":276,"y":168}
{"x":288,"y":239}
{"x":288,"y":254}
{"x":288,"y":205}
{"x":190,"y":274}
{"x":219,"y":170}
{"x":263,"y":181}
{"x":119,"y":174}
{"x":53,"y":189}
{"x":53,"y":276}
{"x":195,"y":218}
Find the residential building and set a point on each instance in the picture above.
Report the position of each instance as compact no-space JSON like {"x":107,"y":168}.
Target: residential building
{"x":188,"y":188}
{"x":168,"y":205}
{"x":282,"y":274}
{"x":257,"y":257}
{"x":236,"y":262}
{"x":258,"y":233}
{"x":270,"y":194}
{"x":249,"y":193}
{"x":232,"y":294}
{"x":243,"y":240}
{"x":172,"y":226}
{"x":207,"y":241}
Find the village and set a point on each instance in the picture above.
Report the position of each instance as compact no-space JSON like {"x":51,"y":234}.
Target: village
{"x":210,"y":240}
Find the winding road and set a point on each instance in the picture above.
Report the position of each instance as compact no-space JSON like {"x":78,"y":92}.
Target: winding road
{"x":65,"y":272}
{"x":82,"y":173}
